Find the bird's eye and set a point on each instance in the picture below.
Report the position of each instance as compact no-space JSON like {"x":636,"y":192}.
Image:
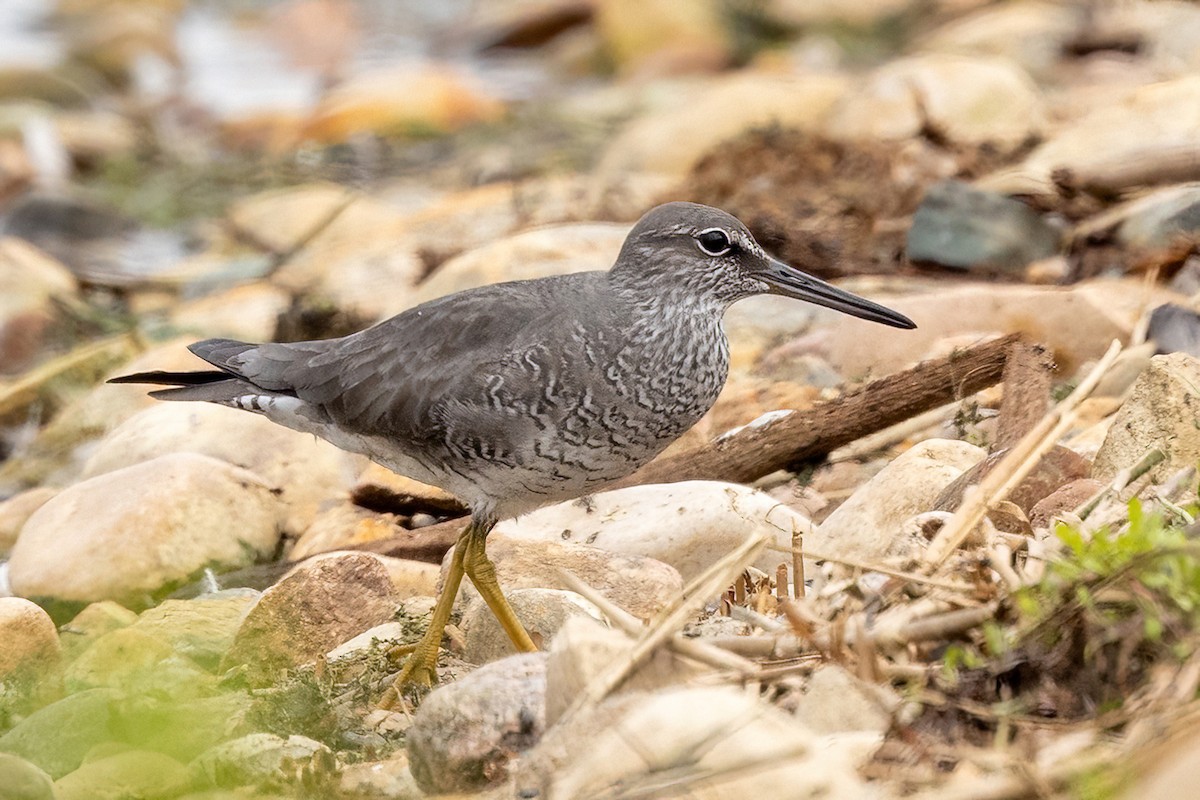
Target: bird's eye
{"x":714,"y":242}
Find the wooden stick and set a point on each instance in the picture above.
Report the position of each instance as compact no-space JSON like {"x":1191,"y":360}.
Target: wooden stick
{"x":1027,"y":375}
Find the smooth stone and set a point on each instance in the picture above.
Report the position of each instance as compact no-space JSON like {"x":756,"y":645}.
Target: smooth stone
{"x":1162,"y":218}
{"x":202,"y":629}
{"x":466,"y":733}
{"x":673,"y":140}
{"x":22,"y":780}
{"x":689,"y":525}
{"x":31,"y":283}
{"x":542,"y":612}
{"x":1161,"y":412}
{"x":386,"y":101}
{"x":132,"y":774}
{"x":584,"y":648}
{"x":126,"y":534}
{"x":341,"y":527}
{"x":185,"y":727}
{"x":302,"y":470}
{"x":660,"y":36}
{"x":1032,"y":33}
{"x":283,"y":219}
{"x":95,"y":620}
{"x":640,"y":585}
{"x":1054,"y":470}
{"x":385,"y":635}
{"x":1173,"y":329}
{"x":31,"y":649}
{"x":58,"y":736}
{"x":1065,"y":499}
{"x":138,"y":663}
{"x":551,"y":250}
{"x":16,"y":510}
{"x":409,"y":578}
{"x":257,"y":758}
{"x":865,"y":526}
{"x":249,"y":313}
{"x":391,"y":779}
{"x":1077,"y":323}
{"x":968,"y":99}
{"x":731,"y":742}
{"x":834,"y":701}
{"x":320,"y":604}
{"x":965,"y":228}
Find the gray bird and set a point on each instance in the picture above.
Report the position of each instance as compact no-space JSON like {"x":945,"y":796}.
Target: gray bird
{"x":520,"y":394}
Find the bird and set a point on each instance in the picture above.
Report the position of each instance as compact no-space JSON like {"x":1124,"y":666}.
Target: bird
{"x":516,"y":395}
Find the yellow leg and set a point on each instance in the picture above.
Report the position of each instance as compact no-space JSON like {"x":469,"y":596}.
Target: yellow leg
{"x":480,"y":570}
{"x":421,"y":666}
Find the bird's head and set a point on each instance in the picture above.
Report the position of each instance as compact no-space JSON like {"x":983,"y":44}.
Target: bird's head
{"x":703,"y":252}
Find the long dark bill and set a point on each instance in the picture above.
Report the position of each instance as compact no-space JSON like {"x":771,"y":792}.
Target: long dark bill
{"x":791,"y":282}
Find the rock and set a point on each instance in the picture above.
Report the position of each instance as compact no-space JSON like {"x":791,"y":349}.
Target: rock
{"x":865,"y":526}
{"x":341,"y":527}
{"x":584,"y":648}
{"x":31,"y":282}
{"x":1161,"y":219}
{"x":385,"y":635}
{"x":672,"y":140}
{"x":835,"y":700}
{"x":249,"y":313}
{"x":56,"y":737}
{"x":132,"y":774}
{"x":465,"y":733}
{"x":968,"y":100}
{"x":388,"y":102}
{"x":1161,"y":412}
{"x":1033,"y":34}
{"x":256,"y":759}
{"x":16,"y":510}
{"x":95,"y":620}
{"x":964,"y":228}
{"x":283,"y":219}
{"x":1057,"y":468}
{"x":302,"y":470}
{"x":721,"y":741}
{"x":1066,"y":498}
{"x":539,"y":253}
{"x":24,"y":781}
{"x":409,"y":578}
{"x":688,"y":525}
{"x":203,"y":628}
{"x":1093,"y":150}
{"x":1174,"y":329}
{"x":1077,"y":323}
{"x":31,"y":650}
{"x":319,"y":605}
{"x":138,"y":663}
{"x":126,"y":534}
{"x":184,"y":727}
{"x":642,"y":586}
{"x":543,"y":612}
{"x":390,"y":778}
{"x":658,"y":36}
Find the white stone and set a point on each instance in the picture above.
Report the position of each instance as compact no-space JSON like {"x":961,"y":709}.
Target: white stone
{"x":306,"y":471}
{"x":126,"y":533}
{"x":689,"y":525}
{"x":835,"y":700}
{"x":16,"y":510}
{"x":865,"y":527}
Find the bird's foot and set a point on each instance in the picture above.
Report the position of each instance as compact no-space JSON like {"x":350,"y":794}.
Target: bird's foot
{"x":419,"y":672}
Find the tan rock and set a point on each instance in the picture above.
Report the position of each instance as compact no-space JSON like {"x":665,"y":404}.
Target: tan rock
{"x":305,"y":471}
{"x":660,"y":36}
{"x":1161,"y":412}
{"x":409,"y":578}
{"x":283,"y":219}
{"x":16,"y":510}
{"x":342,"y":526}
{"x":321,"y":604}
{"x":969,"y":100}
{"x":1032,"y":33}
{"x":30,"y":283}
{"x":128,"y":533}
{"x":430,"y":99}
{"x":249,"y":313}
{"x":673,"y":140}
{"x":640,"y":585}
{"x":835,"y":700}
{"x":542,"y":612}
{"x":30,"y":639}
{"x":866,"y":525}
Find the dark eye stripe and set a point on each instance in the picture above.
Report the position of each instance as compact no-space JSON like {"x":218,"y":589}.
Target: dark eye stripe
{"x":714,"y":242}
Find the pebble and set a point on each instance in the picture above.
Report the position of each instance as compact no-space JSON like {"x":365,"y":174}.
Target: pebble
{"x":257,"y":758}
{"x":865,"y":526}
{"x":835,"y":701}
{"x":31,"y":648}
{"x":409,"y":578}
{"x":292,"y":624}
{"x":56,"y":737}
{"x":543,"y":612}
{"x":24,"y":781}
{"x":1065,"y":499}
{"x":126,"y":534}
{"x":689,"y":525}
{"x":465,"y":734}
{"x":640,"y":585}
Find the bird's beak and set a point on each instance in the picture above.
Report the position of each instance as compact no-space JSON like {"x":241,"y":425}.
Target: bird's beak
{"x":791,"y":282}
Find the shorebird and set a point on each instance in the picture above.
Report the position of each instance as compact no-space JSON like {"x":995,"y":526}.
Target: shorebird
{"x":519,"y":394}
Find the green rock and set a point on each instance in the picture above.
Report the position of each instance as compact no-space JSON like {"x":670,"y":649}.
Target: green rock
{"x":185,"y":729}
{"x":132,"y":775}
{"x":90,"y":624}
{"x":21,"y":780}
{"x":58,"y":736}
{"x":201,"y":629}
